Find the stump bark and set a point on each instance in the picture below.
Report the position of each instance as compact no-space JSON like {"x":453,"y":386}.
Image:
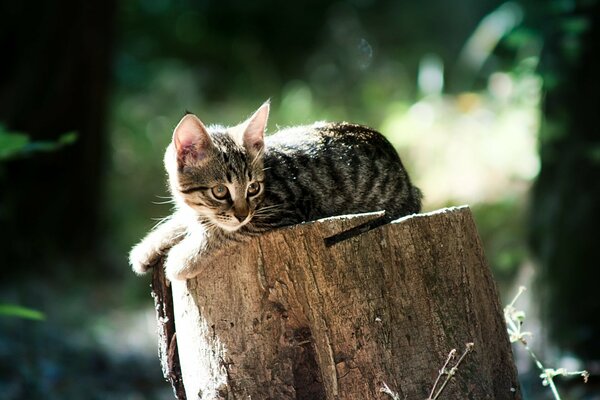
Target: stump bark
{"x":286,"y":317}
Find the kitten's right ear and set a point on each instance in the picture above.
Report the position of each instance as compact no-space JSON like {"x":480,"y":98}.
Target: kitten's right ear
{"x":191,"y":139}
{"x":254,"y":130}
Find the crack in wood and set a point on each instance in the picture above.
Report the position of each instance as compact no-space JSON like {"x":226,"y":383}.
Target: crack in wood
{"x":358,"y":230}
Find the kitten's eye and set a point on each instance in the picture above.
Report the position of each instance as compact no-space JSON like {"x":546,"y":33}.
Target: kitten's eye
{"x":253,"y":188}
{"x":220,"y":191}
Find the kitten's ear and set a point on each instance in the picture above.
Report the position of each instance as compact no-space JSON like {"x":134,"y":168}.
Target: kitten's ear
{"x":191,"y":138}
{"x":253,"y":137}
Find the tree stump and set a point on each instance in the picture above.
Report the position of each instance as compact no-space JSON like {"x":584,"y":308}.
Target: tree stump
{"x":286,"y":317}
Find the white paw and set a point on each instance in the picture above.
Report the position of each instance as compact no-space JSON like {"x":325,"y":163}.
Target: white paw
{"x":143,"y":257}
{"x":180,"y":265}
{"x":178,"y":275}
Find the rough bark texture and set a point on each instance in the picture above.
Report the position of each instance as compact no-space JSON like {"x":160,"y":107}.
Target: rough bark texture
{"x":167,"y":340}
{"x":285,"y":317}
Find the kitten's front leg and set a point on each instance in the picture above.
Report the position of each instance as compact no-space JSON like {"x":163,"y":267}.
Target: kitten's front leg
{"x":148,"y":252}
{"x":182,"y":260}
{"x":197,"y":250}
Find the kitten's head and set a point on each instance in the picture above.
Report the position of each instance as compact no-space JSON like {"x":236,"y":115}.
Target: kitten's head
{"x":218,"y":172}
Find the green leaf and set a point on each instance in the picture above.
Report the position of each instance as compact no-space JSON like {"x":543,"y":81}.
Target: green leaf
{"x":11,"y":310}
{"x":593,"y":154}
{"x":68,"y":138}
{"x":521,"y":37}
{"x":576,"y":25}
{"x":64,"y":140}
{"x":12,"y":144}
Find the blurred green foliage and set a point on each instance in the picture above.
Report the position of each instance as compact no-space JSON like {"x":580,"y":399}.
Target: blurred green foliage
{"x":504,"y":237}
{"x":456,"y":88}
{"x":360,"y":61}
{"x":18,"y":144}
{"x":11,"y":310}
{"x":566,"y":195}
{"x":14,"y":145}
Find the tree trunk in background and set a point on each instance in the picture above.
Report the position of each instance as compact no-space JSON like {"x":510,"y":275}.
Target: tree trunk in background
{"x":566,"y":197}
{"x":54,"y":77}
{"x":285,"y":317}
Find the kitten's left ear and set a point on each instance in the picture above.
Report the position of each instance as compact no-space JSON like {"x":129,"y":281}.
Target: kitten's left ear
{"x":191,"y":139}
{"x":254,"y":131}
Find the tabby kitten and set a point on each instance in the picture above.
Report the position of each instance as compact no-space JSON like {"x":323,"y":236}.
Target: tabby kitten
{"x":232,"y":183}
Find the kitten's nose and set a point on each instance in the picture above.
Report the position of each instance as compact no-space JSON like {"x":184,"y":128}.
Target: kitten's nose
{"x":240,"y":216}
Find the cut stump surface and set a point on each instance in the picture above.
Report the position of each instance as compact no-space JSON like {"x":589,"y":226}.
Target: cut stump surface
{"x":285,"y":317}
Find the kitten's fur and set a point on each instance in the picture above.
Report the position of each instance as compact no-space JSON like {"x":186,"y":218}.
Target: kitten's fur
{"x":303,"y":173}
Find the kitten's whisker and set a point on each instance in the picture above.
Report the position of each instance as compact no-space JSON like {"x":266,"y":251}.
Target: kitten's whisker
{"x":345,"y":161}
{"x":160,"y":221}
{"x":180,"y":234}
{"x":270,"y":207}
{"x":171,"y":201}
{"x":259,"y":212}
{"x":268,"y":210}
{"x":258,"y":156}
{"x":209,"y":224}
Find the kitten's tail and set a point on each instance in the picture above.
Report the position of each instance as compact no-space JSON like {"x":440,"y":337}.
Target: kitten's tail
{"x":415,"y":200}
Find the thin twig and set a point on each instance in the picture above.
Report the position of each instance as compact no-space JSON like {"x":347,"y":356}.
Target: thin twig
{"x":514,"y":320}
{"x":522,"y":289}
{"x":452,"y":372}
{"x":449,"y":373}
{"x":441,"y":372}
{"x":386,"y":389}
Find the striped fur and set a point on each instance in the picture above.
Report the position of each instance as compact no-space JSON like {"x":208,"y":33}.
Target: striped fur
{"x":305,"y":173}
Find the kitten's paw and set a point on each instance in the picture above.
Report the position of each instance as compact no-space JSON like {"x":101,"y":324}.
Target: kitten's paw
{"x":143,"y":257}
{"x":179,"y":266}
{"x":178,"y":275}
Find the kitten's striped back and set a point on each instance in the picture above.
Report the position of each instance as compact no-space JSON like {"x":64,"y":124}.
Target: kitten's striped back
{"x":324,"y":170}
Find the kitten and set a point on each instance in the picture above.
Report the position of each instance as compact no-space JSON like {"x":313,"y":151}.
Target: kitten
{"x":232,"y":183}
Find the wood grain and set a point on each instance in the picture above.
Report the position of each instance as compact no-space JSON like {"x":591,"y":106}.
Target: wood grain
{"x":286,"y":317}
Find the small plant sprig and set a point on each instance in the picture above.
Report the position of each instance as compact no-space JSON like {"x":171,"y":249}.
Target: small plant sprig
{"x":514,"y":321}
{"x":386,"y":389}
{"x":434,"y":395}
{"x":448,"y":372}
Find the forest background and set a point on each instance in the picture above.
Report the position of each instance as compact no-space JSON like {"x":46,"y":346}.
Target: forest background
{"x":492,"y":104}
